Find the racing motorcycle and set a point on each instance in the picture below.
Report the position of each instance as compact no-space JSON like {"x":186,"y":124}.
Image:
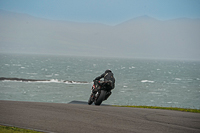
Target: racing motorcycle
{"x":100,"y":91}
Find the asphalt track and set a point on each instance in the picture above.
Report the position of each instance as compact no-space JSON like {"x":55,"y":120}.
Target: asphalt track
{"x":81,"y":118}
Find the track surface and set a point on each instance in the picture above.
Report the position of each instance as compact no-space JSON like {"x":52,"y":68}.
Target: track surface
{"x":82,"y":118}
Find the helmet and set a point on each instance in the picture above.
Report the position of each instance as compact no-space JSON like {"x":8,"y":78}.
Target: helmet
{"x":107,"y":71}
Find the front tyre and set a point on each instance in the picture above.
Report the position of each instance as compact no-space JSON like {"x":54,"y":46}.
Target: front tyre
{"x":100,"y":98}
{"x":90,"y":100}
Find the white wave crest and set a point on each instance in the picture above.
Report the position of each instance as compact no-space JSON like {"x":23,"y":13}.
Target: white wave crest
{"x":49,"y":81}
{"x":41,"y":81}
{"x":63,"y":81}
{"x":147,"y":81}
{"x":178,"y":79}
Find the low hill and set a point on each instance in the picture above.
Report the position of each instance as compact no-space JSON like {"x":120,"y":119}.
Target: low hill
{"x":139,"y":37}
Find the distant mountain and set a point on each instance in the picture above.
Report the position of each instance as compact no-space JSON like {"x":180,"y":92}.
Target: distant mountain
{"x":145,"y":19}
{"x":139,"y":37}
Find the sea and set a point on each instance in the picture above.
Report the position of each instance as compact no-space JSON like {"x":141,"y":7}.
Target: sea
{"x":63,"y":79}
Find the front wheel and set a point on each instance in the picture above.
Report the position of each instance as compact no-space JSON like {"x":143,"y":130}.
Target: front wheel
{"x":100,"y":99}
{"x":90,"y":100}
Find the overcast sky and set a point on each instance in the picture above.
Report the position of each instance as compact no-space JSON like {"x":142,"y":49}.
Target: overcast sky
{"x":104,"y":11}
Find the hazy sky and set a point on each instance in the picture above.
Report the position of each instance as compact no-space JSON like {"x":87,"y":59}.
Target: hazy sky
{"x":104,"y":11}
{"x":173,"y":39}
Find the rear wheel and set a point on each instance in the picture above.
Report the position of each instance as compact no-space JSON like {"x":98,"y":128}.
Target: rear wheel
{"x":100,"y":99}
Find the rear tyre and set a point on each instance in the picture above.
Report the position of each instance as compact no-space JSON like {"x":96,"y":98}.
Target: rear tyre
{"x":100,"y":98}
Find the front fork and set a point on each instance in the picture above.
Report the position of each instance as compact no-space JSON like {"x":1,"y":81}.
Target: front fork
{"x":94,"y":91}
{"x":94,"y":95}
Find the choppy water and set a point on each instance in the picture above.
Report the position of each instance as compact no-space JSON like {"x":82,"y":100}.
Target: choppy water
{"x":138,"y":82}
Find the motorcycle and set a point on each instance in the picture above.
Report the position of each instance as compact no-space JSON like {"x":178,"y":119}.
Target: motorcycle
{"x":100,"y":91}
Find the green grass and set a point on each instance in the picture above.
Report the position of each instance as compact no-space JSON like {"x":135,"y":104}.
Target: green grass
{"x":7,"y":129}
{"x":166,"y":108}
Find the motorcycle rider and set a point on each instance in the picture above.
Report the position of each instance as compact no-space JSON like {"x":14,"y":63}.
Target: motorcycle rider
{"x":109,"y":81}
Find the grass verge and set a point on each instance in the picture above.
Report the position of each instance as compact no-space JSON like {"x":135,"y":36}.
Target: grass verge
{"x":166,"y":108}
{"x":7,"y":129}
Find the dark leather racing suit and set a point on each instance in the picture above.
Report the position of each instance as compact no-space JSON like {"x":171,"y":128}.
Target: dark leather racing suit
{"x":108,"y":77}
{"x":109,"y":82}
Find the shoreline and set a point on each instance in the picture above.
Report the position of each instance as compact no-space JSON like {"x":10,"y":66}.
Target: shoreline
{"x":164,"y":108}
{"x":193,"y":110}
